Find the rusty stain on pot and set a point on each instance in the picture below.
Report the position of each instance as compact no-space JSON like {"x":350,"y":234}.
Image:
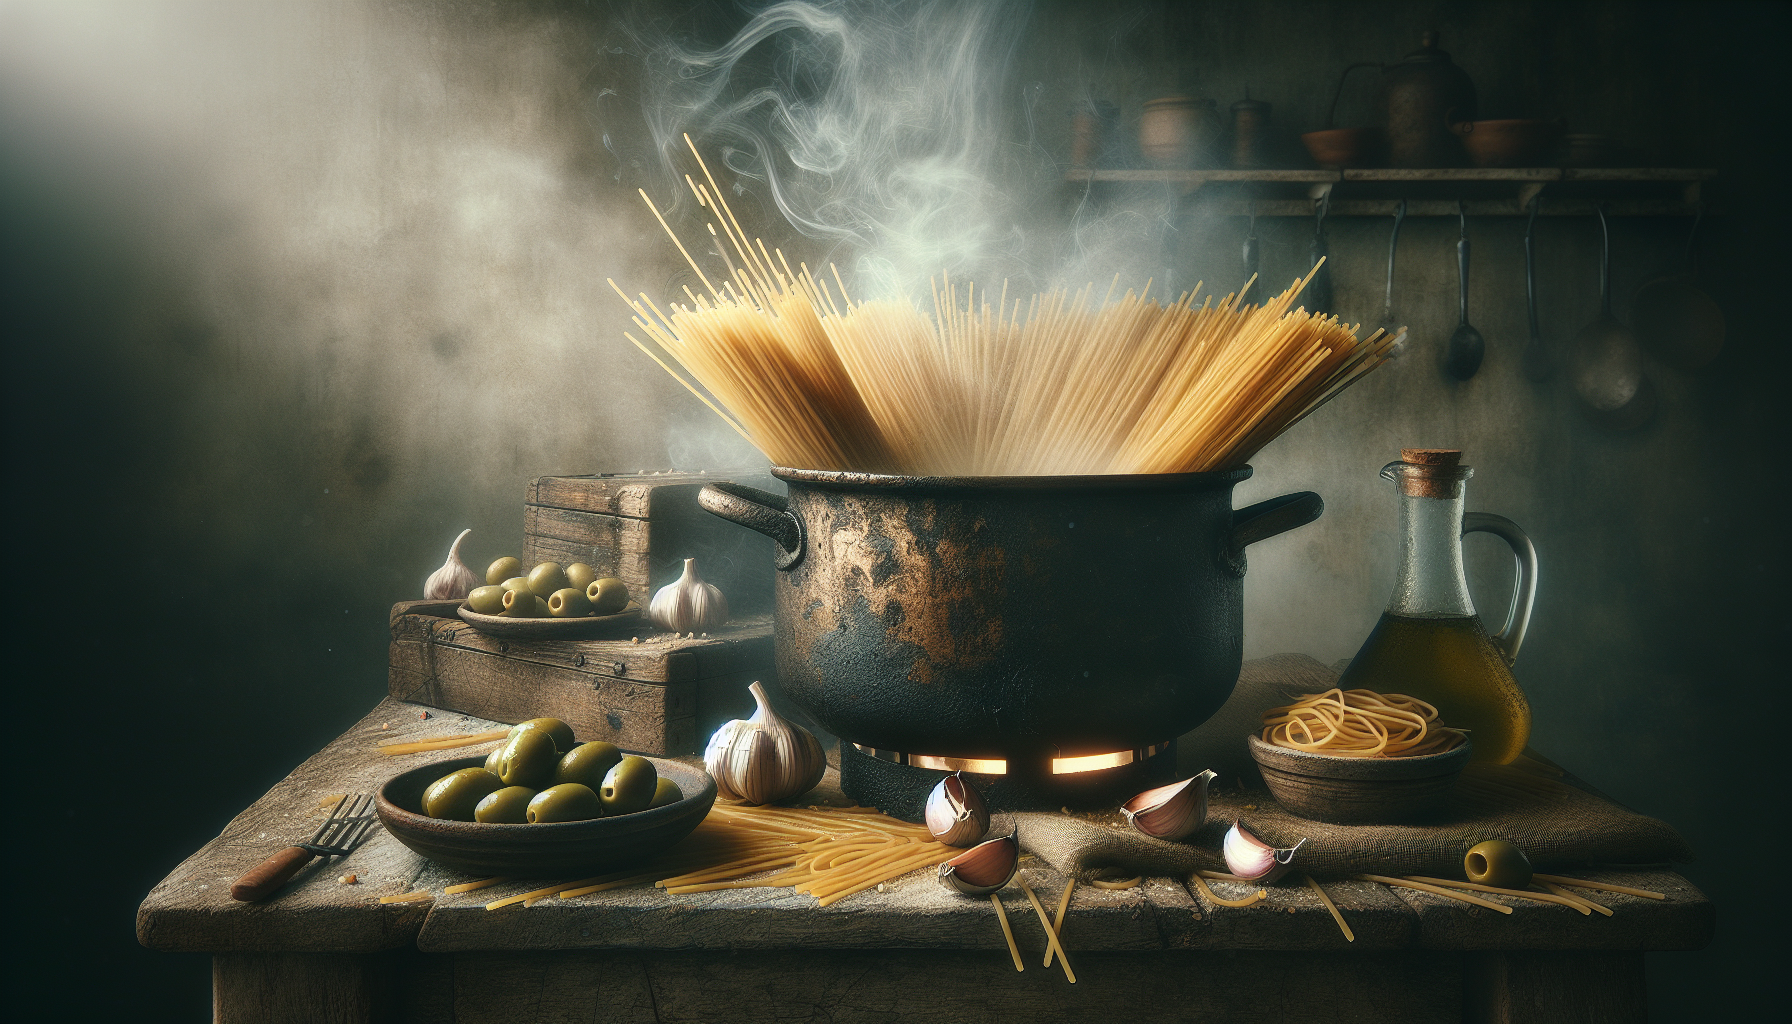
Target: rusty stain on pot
{"x":935,"y":598}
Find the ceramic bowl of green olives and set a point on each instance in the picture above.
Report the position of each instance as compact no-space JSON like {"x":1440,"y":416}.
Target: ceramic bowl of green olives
{"x":547,"y":602}
{"x":543,"y":804}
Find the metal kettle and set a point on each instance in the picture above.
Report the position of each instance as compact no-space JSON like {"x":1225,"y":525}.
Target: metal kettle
{"x":1421,"y":95}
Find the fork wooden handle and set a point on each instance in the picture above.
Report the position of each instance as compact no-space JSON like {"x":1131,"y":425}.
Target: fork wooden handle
{"x":263,"y":879}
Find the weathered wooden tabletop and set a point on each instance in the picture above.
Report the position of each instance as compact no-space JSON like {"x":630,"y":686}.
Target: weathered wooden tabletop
{"x":1120,"y":933}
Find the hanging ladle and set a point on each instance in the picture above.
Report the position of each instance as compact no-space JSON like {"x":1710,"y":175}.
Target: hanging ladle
{"x":1387,"y":324}
{"x":1536,"y":361}
{"x":1319,"y":290}
{"x":1606,"y":365}
{"x":1463,"y":352}
{"x":1675,"y":318}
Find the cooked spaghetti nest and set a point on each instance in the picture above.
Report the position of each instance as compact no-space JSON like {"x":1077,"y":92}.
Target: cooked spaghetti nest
{"x":1360,"y":723}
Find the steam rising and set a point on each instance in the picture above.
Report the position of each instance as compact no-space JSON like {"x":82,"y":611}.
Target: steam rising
{"x":886,"y":130}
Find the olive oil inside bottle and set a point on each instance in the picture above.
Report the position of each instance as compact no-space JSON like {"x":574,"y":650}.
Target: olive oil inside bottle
{"x":1447,"y":661}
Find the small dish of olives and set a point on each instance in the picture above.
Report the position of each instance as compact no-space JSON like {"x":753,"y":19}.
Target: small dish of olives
{"x":541,"y":844}
{"x":547,"y":602}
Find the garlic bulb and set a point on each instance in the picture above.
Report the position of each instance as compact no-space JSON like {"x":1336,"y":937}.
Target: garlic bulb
{"x":956,"y":815}
{"x":453,"y":581}
{"x":1254,"y":860}
{"x":688,"y":604}
{"x":983,"y":868}
{"x":1170,"y":812}
{"x":763,"y":759}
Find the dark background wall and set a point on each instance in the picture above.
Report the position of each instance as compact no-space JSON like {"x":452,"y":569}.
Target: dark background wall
{"x":271,"y":346}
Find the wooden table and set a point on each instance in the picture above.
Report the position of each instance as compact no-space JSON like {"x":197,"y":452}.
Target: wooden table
{"x":323,"y":951}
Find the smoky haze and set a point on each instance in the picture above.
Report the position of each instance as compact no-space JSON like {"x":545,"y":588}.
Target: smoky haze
{"x":390,"y":223}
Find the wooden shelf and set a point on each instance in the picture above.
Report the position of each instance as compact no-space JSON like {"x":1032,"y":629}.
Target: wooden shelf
{"x":1374,"y":192}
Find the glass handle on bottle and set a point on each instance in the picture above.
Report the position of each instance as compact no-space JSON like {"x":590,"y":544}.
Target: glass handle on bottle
{"x":1524,"y":591}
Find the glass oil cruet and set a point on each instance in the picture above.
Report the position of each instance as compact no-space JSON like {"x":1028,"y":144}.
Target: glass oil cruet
{"x":1429,"y":643}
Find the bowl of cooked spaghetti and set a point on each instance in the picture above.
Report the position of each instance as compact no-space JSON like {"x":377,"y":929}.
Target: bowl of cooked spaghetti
{"x":1357,"y":757}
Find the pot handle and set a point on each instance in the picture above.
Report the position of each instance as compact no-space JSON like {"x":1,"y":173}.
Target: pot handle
{"x":1524,"y":591}
{"x":761,"y":511}
{"x":1266,"y":519}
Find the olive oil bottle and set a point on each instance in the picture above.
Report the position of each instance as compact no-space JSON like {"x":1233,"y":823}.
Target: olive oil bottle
{"x":1430,"y":644}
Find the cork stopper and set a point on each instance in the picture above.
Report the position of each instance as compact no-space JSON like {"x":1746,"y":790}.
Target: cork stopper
{"x":1432,"y":472}
{"x":1431,"y":456}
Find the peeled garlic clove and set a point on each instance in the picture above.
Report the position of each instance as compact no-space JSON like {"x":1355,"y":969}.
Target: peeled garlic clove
{"x":956,"y":814}
{"x":689,"y":603}
{"x":983,"y":868}
{"x":1170,"y":812}
{"x":453,"y":581}
{"x":1254,"y":860}
{"x":763,"y":759}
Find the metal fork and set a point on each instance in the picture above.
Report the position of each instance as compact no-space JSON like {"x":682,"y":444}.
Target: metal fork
{"x":349,"y":823}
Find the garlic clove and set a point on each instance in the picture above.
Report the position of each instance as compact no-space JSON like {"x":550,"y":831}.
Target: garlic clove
{"x":1254,"y":860}
{"x":688,"y":604}
{"x":764,"y":759}
{"x":956,"y":814}
{"x":983,"y":868}
{"x":1170,"y":812}
{"x":453,"y":581}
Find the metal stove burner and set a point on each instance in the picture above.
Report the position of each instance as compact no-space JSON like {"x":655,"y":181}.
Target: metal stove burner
{"x":997,"y":766}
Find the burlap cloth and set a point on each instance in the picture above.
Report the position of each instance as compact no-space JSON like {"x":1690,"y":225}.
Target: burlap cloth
{"x":1554,"y":817}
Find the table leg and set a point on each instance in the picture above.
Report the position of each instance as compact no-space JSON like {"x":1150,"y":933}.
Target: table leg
{"x":270,"y":988}
{"x":1546,"y":987}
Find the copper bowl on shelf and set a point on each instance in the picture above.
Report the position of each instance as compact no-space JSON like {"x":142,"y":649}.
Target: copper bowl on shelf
{"x":1347,"y":147}
{"x":1359,"y":790}
{"x":1514,"y":142}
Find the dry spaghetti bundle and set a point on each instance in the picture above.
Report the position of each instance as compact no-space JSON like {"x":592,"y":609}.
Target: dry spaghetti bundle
{"x":1359,"y":723}
{"x":1052,"y":384}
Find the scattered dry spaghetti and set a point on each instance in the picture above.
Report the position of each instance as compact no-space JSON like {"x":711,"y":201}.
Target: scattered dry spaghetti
{"x":1056,"y":383}
{"x":1359,"y":723}
{"x":829,"y":853}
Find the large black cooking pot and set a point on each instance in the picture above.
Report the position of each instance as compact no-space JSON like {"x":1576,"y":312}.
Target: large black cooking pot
{"x":1021,"y":618}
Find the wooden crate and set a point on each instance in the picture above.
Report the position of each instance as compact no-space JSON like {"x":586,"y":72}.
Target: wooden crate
{"x":640,"y":527}
{"x":660,"y":696}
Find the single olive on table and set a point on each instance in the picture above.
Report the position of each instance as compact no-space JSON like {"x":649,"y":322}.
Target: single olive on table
{"x":1498,"y":863}
{"x":547,"y":591}
{"x":541,"y":774}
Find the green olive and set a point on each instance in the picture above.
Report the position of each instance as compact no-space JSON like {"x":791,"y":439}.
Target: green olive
{"x":527,"y":759}
{"x":558,"y":731}
{"x":1499,"y":864}
{"x":629,"y":787}
{"x":568,"y":801}
{"x":507,"y":806}
{"x":568,"y":604}
{"x":588,"y":763}
{"x":454,"y":795}
{"x":491,"y":759}
{"x":503,"y":569}
{"x":665,"y":791}
{"x":546,"y":578}
{"x":607,"y":596}
{"x":516,"y":583}
{"x":487,"y":600}
{"x":541,"y":609}
{"x":519,"y":604}
{"x":579,"y":575}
